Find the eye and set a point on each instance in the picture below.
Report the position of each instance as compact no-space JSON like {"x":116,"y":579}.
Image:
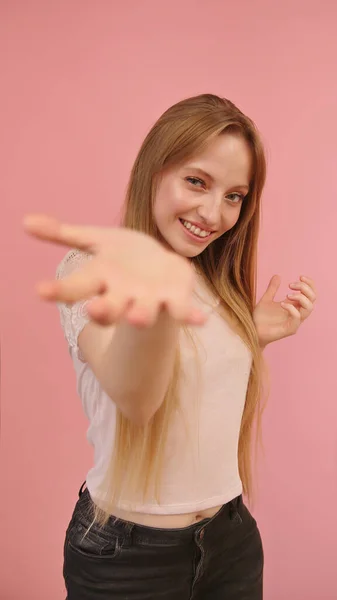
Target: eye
{"x":235,"y":198}
{"x":196,"y":182}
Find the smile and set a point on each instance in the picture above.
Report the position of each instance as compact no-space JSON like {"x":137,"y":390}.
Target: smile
{"x":196,"y":231}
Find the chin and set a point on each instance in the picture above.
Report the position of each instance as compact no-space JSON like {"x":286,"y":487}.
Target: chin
{"x":187,"y":251}
{"x":191,"y":254}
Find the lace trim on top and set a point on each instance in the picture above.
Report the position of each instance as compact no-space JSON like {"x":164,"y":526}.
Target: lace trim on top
{"x":73,"y":317}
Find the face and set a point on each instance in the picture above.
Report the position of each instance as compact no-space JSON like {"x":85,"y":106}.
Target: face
{"x":201,"y":199}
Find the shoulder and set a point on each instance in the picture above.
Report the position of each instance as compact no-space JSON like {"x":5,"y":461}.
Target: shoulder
{"x":73,"y":317}
{"x":72,"y":261}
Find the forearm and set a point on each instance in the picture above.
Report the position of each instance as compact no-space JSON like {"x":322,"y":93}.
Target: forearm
{"x":137,"y":366}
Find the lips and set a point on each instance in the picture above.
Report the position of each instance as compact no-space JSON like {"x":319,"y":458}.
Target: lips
{"x":201,"y":226}
{"x":195,"y":230}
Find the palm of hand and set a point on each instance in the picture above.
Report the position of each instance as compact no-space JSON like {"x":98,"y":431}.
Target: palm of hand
{"x":272,"y":321}
{"x":131,"y":277}
{"x":276,"y":320}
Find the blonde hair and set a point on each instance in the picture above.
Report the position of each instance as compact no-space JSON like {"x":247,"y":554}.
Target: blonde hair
{"x":228,"y":267}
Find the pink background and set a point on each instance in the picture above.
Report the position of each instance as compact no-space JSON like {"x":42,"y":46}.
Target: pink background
{"x":81,"y":84}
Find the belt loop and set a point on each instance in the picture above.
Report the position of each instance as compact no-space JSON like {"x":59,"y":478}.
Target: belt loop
{"x":237,"y":501}
{"x":234,"y":514}
{"x":127,"y":535}
{"x":81,"y":489}
{"x":233,"y":508}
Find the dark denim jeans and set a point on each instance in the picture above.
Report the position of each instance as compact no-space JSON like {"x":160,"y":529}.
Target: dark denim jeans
{"x":216,"y":559}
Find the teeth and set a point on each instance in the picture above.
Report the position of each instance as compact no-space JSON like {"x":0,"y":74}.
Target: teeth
{"x":196,"y":230}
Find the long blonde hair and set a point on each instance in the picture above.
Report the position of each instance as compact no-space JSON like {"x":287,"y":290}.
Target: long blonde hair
{"x":228,"y":267}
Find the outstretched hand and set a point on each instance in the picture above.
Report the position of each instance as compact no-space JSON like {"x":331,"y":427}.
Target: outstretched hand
{"x":131,"y":276}
{"x":277,"y":320}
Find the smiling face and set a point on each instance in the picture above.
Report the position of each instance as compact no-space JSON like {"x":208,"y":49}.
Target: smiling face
{"x":198,"y":201}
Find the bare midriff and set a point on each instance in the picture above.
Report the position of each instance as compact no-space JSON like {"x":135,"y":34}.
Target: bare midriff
{"x":176,"y":521}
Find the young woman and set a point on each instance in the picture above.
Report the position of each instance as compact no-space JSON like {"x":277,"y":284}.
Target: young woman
{"x":166,"y":338}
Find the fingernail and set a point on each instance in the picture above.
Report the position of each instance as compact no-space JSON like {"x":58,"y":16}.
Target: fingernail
{"x":291,"y":295}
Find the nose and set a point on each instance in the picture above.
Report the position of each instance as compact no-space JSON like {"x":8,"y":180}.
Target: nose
{"x":209,"y":211}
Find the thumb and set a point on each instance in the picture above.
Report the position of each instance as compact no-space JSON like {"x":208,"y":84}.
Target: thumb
{"x":272,"y":288}
{"x":50,"y":229}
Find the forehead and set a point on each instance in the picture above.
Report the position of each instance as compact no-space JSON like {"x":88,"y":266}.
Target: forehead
{"x":226,"y":155}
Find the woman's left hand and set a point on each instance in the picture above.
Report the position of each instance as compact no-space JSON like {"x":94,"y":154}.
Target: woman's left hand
{"x":277,"y":320}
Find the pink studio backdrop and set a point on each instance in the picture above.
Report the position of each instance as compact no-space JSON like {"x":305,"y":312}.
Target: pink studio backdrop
{"x":81,"y":84}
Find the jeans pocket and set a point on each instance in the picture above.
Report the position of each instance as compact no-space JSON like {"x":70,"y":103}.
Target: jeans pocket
{"x":246,"y":515}
{"x":92,"y":541}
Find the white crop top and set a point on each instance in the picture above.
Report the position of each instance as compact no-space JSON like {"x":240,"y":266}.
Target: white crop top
{"x":201,"y":465}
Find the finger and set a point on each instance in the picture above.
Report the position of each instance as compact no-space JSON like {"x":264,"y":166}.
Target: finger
{"x":310,"y":282}
{"x":182,"y":310}
{"x":108,"y":309}
{"x":51,"y":230}
{"x":187,"y":316}
{"x":143,"y":312}
{"x":294,"y":313}
{"x":272,"y":288}
{"x":196,"y":317}
{"x":80,"y":285}
{"x":304,"y":302}
{"x":305,"y":289}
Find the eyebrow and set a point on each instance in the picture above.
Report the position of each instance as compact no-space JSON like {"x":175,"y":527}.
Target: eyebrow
{"x":203,"y":173}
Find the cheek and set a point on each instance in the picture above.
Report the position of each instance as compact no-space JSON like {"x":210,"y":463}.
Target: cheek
{"x":230,"y":218}
{"x":170,"y":202}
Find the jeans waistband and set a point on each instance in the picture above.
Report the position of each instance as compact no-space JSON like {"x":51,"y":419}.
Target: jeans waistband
{"x":128,"y":529}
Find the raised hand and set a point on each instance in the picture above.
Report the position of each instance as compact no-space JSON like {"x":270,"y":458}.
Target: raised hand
{"x":277,"y":320}
{"x":131,"y":276}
